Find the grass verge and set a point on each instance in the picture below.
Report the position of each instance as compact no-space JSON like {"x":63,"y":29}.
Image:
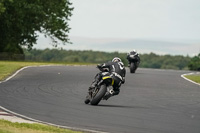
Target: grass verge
{"x":7,"y":68}
{"x":10,"y":127}
{"x":195,"y":78}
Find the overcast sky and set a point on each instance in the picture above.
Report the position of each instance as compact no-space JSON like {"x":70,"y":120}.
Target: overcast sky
{"x":144,"y":19}
{"x":163,"y":20}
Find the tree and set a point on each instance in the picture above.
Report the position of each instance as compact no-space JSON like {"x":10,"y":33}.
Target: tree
{"x":2,"y":8}
{"x":195,"y":63}
{"x":22,"y":20}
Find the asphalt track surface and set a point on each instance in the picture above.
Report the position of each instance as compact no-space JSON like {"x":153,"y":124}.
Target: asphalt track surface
{"x":151,"y":101}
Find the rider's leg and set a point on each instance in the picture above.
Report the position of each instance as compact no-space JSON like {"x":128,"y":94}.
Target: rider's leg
{"x":116,"y":90}
{"x":95,"y":81}
{"x":116,"y":86}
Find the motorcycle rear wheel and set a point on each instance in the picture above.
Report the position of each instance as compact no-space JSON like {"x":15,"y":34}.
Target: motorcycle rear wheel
{"x":132,"y":67}
{"x":100,"y":94}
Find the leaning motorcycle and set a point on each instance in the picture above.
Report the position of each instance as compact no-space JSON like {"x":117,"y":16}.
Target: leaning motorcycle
{"x":133,"y":63}
{"x":101,"y":91}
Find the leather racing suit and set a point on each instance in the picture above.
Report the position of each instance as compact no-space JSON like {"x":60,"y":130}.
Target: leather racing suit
{"x":117,"y":72}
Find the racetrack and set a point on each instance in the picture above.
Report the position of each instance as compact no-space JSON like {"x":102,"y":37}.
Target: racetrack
{"x":151,"y":101}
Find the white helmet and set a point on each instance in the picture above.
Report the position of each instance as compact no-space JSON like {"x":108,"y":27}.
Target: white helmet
{"x":116,"y":59}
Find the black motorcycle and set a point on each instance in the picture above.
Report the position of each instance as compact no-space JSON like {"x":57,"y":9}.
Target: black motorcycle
{"x":134,"y":63}
{"x":102,"y":90}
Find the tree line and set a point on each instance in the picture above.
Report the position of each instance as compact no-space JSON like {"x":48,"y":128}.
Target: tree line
{"x":151,"y":60}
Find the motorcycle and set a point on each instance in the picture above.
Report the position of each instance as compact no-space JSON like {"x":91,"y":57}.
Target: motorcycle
{"x":103,"y":90}
{"x":134,"y":63}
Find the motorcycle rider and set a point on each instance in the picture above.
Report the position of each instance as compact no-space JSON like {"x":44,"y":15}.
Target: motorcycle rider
{"x":136,"y":60}
{"x":116,"y":70}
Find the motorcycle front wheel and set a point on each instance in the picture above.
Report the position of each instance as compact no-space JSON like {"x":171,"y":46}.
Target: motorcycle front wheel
{"x":99,"y":95}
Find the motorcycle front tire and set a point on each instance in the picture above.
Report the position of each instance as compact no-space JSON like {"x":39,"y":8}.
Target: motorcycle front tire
{"x":97,"y":98}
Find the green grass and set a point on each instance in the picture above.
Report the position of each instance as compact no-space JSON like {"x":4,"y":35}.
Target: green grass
{"x":195,"y":78}
{"x":10,"y":127}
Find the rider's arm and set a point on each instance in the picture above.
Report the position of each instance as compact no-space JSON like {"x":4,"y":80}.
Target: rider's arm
{"x":99,"y":65}
{"x":103,"y":67}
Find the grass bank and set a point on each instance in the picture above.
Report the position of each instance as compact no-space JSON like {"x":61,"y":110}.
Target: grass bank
{"x":10,"y":127}
{"x":195,"y":77}
{"x":7,"y":68}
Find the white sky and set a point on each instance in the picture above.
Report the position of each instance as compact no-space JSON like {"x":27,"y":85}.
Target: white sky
{"x":144,"y":19}
{"x":96,"y":22}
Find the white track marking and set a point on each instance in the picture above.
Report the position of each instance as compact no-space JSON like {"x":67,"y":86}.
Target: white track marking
{"x":183,"y":76}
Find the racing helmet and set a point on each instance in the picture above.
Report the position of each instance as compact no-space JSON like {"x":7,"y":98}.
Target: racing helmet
{"x":116,"y":59}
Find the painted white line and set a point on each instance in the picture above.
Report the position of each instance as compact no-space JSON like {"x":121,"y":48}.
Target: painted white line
{"x":34,"y":120}
{"x":42,"y":122}
{"x":183,"y":76}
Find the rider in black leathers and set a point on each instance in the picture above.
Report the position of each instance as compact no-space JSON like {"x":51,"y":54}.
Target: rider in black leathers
{"x":117,"y":72}
{"x":136,"y":60}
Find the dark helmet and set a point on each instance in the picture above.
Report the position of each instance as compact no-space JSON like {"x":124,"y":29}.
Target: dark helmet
{"x":116,"y":59}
